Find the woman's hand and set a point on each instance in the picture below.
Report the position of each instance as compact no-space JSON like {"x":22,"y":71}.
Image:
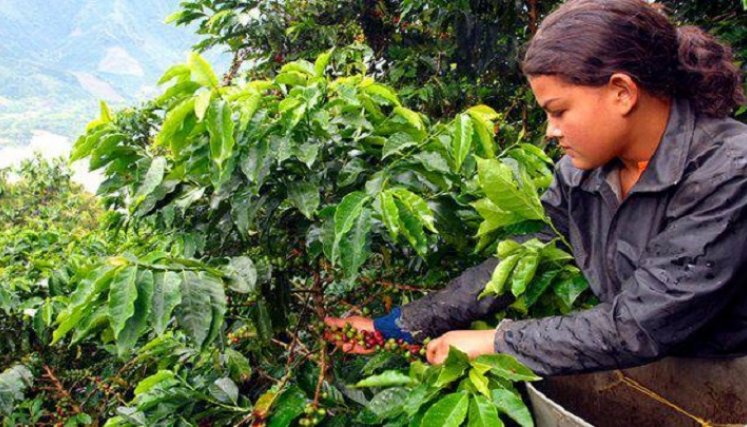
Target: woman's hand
{"x":474,"y":343}
{"x":359,"y":323}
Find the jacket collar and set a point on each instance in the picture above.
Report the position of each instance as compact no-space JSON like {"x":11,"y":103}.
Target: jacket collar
{"x":667,"y":165}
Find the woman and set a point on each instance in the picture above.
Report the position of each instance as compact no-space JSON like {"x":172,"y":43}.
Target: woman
{"x":651,"y":194}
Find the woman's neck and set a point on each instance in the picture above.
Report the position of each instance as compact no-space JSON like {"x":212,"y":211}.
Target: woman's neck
{"x":648,"y":124}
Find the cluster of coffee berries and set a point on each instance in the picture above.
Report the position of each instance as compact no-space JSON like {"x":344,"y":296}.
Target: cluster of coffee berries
{"x":374,"y":340}
{"x":240,"y":334}
{"x":313,"y":416}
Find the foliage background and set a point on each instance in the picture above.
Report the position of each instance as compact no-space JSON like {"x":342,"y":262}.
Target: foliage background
{"x":282,"y":192}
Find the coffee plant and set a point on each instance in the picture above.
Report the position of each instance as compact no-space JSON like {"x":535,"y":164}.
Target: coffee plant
{"x":347,"y":163}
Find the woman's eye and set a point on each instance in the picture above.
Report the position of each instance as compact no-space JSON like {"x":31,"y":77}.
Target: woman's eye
{"x":557,"y":114}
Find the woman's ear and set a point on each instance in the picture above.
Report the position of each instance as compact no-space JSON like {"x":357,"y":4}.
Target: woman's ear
{"x":624,"y":92}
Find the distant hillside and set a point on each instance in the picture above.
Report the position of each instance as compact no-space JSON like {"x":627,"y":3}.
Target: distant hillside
{"x":58,"y":58}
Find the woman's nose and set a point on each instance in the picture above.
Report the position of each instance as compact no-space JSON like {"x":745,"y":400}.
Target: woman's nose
{"x":553,"y":132}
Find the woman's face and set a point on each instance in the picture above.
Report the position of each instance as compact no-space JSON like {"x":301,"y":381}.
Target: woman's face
{"x":585,"y":120}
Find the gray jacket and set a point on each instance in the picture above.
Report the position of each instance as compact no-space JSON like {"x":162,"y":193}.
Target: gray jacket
{"x":668,"y":264}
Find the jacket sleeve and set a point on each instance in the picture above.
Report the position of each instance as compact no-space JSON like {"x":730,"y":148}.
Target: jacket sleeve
{"x":686,"y":275}
{"x":456,"y":305}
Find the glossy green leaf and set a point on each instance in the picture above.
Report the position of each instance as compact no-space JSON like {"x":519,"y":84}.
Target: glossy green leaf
{"x":483,"y":413}
{"x":122,"y":296}
{"x":202,"y":102}
{"x":479,"y":381}
{"x":450,"y":411}
{"x":166,"y":297}
{"x":386,"y":379}
{"x":493,"y":217}
{"x":416,"y":205}
{"x":173,"y":123}
{"x":412,"y":228}
{"x":498,"y":182}
{"x":354,"y":247}
{"x":220,"y":127}
{"x":506,"y":366}
{"x":238,"y":365}
{"x":193,"y":314}
{"x":136,"y":325}
{"x":511,"y":404}
{"x":396,"y":143}
{"x":242,"y":274}
{"x":570,"y":288}
{"x":202,"y":72}
{"x":496,"y":285}
{"x":153,"y":177}
{"x":453,"y":367}
{"x":462,"y":140}
{"x":14,"y":382}
{"x":524,"y":272}
{"x":287,"y":407}
{"x":305,"y":197}
{"x":224,"y":390}
{"x":346,"y":215}
{"x":538,"y":286}
{"x":389,"y":213}
{"x":160,"y":377}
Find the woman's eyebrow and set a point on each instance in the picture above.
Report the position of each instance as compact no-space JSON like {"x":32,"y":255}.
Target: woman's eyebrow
{"x":548,"y":102}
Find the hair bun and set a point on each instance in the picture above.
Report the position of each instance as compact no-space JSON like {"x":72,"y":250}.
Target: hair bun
{"x":709,"y":76}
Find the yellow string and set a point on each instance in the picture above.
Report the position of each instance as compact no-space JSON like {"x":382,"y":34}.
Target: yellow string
{"x":635,"y":385}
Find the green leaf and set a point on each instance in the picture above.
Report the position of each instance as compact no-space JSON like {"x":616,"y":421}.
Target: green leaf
{"x":321,"y":62}
{"x":166,"y":296}
{"x":388,"y":403}
{"x":13,"y":384}
{"x":412,"y":227}
{"x":524,"y":272}
{"x":462,"y":140}
{"x":378,"y":90}
{"x":411,"y":117}
{"x":224,"y":390}
{"x":484,"y":130}
{"x":512,"y":405}
{"x":216,"y":291}
{"x":177,"y":71}
{"x":506,"y":366}
{"x":483,"y":413}
{"x":493,"y":217}
{"x":153,"y":177}
{"x":450,"y":411}
{"x":498,"y":182}
{"x":418,"y":397}
{"x":202,"y":72}
{"x":500,"y":276}
{"x":136,"y":325}
{"x":480,"y":381}
{"x":346,"y":215}
{"x":570,"y":288}
{"x":396,"y":143}
{"x":389,"y":213}
{"x":507,"y":248}
{"x":192,"y":313}
{"x":305,"y":197}
{"x":538,"y":287}
{"x":242,"y":275}
{"x":386,"y":379}
{"x":160,"y":377}
{"x":173,"y":122}
{"x":238,"y":366}
{"x":202,"y":102}
{"x":122,"y":296}
{"x":287,"y":407}
{"x":220,"y":127}
{"x":350,"y":172}
{"x":416,"y":205}
{"x":453,"y":368}
{"x":354,"y":247}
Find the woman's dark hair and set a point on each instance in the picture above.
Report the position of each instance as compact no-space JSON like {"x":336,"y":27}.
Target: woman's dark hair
{"x":586,"y":41}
